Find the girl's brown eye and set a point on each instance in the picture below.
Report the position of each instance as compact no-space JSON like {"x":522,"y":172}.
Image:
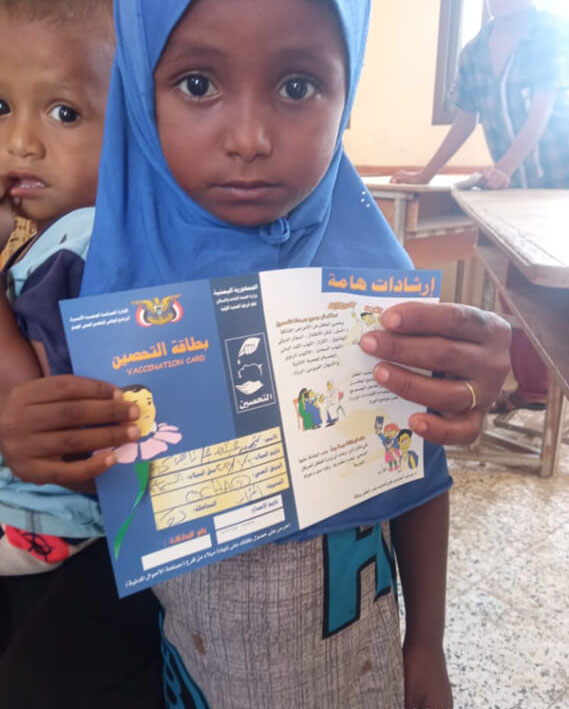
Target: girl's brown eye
{"x":4,"y":108}
{"x":197,"y":85}
{"x":297,"y":88}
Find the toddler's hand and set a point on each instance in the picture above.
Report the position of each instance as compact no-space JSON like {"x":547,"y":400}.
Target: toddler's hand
{"x":6,"y":218}
{"x":46,"y":423}
{"x":470,"y":347}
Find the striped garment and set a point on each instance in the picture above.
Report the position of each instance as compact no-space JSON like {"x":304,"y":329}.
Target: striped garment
{"x":310,"y":624}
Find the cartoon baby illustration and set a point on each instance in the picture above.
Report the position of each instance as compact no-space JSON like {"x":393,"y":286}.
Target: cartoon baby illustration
{"x":155,"y":438}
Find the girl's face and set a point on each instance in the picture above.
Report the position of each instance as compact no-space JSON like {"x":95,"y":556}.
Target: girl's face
{"x":249,"y":98}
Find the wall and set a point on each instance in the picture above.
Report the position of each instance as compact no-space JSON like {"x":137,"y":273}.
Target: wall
{"x":391,"y":120}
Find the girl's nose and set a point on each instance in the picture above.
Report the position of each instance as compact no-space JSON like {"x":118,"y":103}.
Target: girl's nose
{"x":247,"y":134}
{"x":24,"y":140}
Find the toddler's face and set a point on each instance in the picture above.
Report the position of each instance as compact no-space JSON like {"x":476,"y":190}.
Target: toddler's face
{"x":249,"y":98}
{"x":53,"y":87}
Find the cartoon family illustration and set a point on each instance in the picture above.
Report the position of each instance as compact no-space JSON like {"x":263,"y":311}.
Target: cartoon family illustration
{"x":310,"y":405}
{"x":397,"y":444}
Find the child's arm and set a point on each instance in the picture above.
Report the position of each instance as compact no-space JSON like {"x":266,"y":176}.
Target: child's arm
{"x":18,"y":362}
{"x":465,"y":344}
{"x":541,"y":109}
{"x":420,"y":538}
{"x":46,"y":423}
{"x":461,"y":129}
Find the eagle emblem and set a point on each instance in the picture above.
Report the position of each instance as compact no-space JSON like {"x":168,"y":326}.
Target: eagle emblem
{"x":158,"y":311}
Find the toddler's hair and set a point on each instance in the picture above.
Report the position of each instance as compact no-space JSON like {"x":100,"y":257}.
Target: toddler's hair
{"x":58,"y":10}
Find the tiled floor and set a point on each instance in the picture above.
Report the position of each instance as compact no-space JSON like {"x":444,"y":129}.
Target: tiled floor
{"x":507,"y":633}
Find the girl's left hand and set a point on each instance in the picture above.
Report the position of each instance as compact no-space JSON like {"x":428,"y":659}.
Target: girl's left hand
{"x":427,"y":684}
{"x":468,"y":346}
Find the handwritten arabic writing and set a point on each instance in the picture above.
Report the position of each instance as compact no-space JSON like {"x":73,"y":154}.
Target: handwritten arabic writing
{"x":237,"y":298}
{"x":352,"y":452}
{"x":410,"y":286}
{"x":209,"y":480}
{"x":311,"y":344}
{"x":159,"y":350}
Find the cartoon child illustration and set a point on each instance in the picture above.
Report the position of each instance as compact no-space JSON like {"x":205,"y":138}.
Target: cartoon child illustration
{"x":155,"y":438}
{"x":388,"y":436}
{"x":333,"y":399}
{"x":409,"y":459}
{"x":363,"y":322}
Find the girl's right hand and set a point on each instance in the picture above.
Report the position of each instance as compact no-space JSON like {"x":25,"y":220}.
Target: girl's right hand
{"x":47,"y":423}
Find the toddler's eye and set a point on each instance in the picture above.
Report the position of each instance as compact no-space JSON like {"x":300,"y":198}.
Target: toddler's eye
{"x":64,"y":114}
{"x":4,"y":108}
{"x":197,"y":86}
{"x":297,"y":88}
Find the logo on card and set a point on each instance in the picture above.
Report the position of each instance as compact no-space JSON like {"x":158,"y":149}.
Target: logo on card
{"x":159,"y":311}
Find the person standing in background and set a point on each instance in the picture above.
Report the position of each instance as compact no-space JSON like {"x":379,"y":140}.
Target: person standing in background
{"x":514,"y":78}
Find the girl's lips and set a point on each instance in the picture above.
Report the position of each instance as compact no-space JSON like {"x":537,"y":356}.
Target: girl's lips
{"x":246,"y":191}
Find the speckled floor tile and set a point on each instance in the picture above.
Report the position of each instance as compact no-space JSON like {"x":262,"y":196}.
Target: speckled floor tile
{"x":499,"y":659}
{"x":507,"y":632}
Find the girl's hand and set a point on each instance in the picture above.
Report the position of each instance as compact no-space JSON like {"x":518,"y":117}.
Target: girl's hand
{"x":427,"y":684}
{"x":47,"y":423}
{"x":470,"y":347}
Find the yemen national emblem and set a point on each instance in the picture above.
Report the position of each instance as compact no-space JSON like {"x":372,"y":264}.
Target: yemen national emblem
{"x":158,"y":311}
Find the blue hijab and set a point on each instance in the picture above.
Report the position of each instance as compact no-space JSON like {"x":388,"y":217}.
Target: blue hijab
{"x":148,"y":231}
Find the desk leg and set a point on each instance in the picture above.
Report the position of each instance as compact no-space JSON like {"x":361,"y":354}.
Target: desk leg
{"x":553,"y":429}
{"x":400,"y":218}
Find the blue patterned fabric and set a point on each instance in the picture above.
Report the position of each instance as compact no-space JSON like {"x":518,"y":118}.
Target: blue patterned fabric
{"x":49,"y":271}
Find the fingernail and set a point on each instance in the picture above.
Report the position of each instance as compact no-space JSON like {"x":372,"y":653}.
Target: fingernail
{"x":110,"y":460}
{"x":117,"y":394}
{"x":133,"y":412}
{"x":133,"y":432}
{"x":391,"y":321}
{"x":381,"y":374}
{"x":418,"y":427}
{"x":368,"y":344}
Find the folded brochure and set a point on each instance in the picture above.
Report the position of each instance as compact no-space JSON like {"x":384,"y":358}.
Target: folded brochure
{"x":260,"y":415}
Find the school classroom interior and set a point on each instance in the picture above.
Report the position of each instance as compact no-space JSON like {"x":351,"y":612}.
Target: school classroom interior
{"x":507,"y":627}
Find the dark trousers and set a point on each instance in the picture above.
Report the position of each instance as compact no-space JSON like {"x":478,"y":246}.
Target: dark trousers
{"x":68,"y":642}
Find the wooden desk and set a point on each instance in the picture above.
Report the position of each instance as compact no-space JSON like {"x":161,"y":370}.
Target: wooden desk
{"x":525,"y":250}
{"x":431,"y":227}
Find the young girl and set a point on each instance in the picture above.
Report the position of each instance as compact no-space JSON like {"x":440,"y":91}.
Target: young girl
{"x":222,"y":154}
